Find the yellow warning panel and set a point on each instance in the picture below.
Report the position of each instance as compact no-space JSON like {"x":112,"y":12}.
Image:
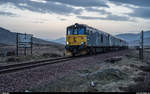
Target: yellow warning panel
{"x":76,"y":39}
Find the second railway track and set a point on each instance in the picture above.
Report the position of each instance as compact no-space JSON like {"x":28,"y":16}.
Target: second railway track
{"x":21,"y":66}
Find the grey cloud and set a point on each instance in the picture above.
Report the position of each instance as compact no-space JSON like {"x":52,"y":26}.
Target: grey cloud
{"x":133,"y":2}
{"x":8,"y":14}
{"x":144,"y":7}
{"x":89,"y":17}
{"x":62,"y":19}
{"x":48,"y":7}
{"x":38,"y":22}
{"x":83,"y":3}
{"x":142,"y":12}
{"x":109,"y":17}
{"x":117,"y":18}
{"x":101,"y":11}
{"x":89,"y":5}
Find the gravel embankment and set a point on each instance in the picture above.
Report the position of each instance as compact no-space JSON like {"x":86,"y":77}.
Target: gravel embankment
{"x":26,"y":79}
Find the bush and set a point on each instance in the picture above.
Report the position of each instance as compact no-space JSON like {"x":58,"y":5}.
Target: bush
{"x":51,"y":55}
{"x":10,"y":53}
{"x":13,"y":59}
{"x":108,"y":75}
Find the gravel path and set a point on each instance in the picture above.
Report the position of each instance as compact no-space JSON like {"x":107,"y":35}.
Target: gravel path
{"x":26,"y":79}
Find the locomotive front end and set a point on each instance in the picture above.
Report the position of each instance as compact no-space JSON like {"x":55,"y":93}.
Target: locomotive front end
{"x":76,"y":40}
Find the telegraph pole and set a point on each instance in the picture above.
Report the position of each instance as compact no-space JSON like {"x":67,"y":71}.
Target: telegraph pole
{"x":25,"y":49}
{"x":141,"y":45}
{"x":31,"y":44}
{"x":17,"y":44}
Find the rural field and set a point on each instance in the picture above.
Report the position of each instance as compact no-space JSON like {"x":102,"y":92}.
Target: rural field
{"x":40,"y":51}
{"x":97,"y":73}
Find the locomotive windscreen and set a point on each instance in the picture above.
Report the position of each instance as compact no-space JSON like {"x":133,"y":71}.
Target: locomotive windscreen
{"x":81,"y":31}
{"x":70,"y":31}
{"x":76,"y":31}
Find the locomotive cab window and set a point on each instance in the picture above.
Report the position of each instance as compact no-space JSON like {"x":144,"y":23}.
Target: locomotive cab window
{"x":70,"y":31}
{"x":75,"y":31}
{"x":81,"y":31}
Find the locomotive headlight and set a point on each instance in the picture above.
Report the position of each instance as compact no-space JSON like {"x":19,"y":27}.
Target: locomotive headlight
{"x":82,"y":42}
{"x":67,"y":42}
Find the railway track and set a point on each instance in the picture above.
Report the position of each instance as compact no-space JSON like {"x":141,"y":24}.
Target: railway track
{"x":32,"y":64}
{"x":27,"y":65}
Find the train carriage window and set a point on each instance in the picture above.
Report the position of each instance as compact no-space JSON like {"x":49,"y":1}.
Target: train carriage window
{"x":87,"y":32}
{"x":108,"y":37}
{"x":90,"y":32}
{"x":102,"y":38}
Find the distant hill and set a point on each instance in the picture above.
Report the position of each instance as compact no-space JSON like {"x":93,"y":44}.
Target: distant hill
{"x":60,"y":40}
{"x":136,"y":42}
{"x":128,"y":36}
{"x":9,"y":38}
{"x":133,"y":39}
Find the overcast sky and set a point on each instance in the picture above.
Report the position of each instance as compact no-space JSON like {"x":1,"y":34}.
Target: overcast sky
{"x":48,"y":19}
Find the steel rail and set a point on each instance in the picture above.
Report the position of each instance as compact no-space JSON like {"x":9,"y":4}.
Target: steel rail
{"x":32,"y":64}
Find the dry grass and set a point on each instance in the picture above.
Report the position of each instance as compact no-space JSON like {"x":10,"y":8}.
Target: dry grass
{"x":7,"y":53}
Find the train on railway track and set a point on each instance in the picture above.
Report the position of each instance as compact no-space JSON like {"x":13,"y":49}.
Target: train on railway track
{"x":82,"y":39}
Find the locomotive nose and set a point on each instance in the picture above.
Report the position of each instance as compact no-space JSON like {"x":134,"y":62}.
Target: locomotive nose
{"x":76,"y":40}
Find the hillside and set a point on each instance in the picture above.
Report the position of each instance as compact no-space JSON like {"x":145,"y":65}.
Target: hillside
{"x":9,"y":38}
{"x":128,"y":36}
{"x":133,"y":39}
{"x":136,"y":42}
{"x":60,"y":40}
{"x":132,"y":36}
